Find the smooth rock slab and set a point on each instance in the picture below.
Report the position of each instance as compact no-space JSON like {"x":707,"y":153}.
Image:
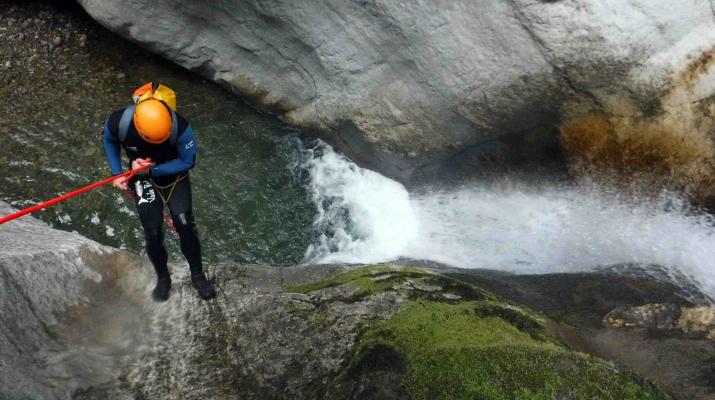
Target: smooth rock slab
{"x":408,"y":86}
{"x":46,"y":276}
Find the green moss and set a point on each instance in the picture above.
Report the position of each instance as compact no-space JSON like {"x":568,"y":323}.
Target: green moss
{"x":464,"y":290}
{"x":525,"y":320}
{"x":363,"y":278}
{"x":317,"y":317}
{"x":469,"y":345}
{"x":477,"y":350}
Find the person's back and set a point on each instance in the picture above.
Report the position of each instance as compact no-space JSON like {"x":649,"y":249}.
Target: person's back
{"x":152,"y":132}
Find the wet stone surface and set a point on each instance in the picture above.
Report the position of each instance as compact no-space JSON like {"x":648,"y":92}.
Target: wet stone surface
{"x":650,"y":335}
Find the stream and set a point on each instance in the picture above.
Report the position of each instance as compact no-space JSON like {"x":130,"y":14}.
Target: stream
{"x":265,"y":193}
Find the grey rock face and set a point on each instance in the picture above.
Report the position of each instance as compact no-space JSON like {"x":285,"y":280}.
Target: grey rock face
{"x":253,"y":341}
{"x":47,"y":279}
{"x":404,"y":86}
{"x":78,"y":321}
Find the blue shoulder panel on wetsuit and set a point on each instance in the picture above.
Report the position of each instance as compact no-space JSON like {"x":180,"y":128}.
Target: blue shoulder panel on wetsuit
{"x":111,"y":147}
{"x":186,"y":147}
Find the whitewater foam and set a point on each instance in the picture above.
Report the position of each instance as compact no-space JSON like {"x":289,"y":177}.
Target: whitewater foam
{"x":364,"y":217}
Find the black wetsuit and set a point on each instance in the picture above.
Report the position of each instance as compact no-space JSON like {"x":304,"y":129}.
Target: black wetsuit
{"x":167,"y":181}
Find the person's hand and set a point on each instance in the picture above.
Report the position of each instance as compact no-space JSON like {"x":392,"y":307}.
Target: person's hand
{"x":120,"y":183}
{"x":140,"y":162}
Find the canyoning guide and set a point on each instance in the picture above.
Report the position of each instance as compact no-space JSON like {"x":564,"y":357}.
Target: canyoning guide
{"x":151,"y":132}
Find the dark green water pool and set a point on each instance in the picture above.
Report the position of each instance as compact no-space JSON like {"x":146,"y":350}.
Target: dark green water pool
{"x":248,"y":203}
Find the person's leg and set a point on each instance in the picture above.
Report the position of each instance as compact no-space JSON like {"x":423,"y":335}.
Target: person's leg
{"x":180,"y":206}
{"x":150,"y":210}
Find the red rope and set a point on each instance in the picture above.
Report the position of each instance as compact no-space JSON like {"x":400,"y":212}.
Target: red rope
{"x":74,"y":193}
{"x":170,"y":223}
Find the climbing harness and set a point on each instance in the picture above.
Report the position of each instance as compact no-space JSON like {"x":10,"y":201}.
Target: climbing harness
{"x":178,"y":179}
{"x":29,"y":210}
{"x":172,"y":185}
{"x":160,"y":190}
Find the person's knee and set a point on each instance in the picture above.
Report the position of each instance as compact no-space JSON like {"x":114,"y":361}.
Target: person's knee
{"x":153,"y":235}
{"x":184,"y":223}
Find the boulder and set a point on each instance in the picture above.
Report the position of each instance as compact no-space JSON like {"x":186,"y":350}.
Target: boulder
{"x":49,"y":279}
{"x":695,"y":321}
{"x":413,"y":89}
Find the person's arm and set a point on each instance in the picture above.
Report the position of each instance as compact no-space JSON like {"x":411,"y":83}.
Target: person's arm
{"x":186,"y":147}
{"x":113,"y":150}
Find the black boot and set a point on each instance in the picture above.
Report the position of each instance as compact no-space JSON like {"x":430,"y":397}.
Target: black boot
{"x":203,"y":287}
{"x":162,"y":288}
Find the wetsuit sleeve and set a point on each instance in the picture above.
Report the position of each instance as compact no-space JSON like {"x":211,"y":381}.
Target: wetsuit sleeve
{"x":186,"y":147}
{"x":112,"y":148}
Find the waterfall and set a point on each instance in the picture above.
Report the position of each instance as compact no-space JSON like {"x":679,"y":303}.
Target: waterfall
{"x":364,"y":217}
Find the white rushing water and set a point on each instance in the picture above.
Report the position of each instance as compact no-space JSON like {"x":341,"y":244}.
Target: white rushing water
{"x":365,"y":217}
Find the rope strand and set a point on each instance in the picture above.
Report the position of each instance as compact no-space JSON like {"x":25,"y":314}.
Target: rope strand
{"x":74,"y":193}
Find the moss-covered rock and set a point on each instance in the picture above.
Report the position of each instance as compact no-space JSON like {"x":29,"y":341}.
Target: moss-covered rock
{"x":468,"y":351}
{"x":379,"y":332}
{"x":411,"y":281}
{"x":451,"y":340}
{"x":368,"y":279}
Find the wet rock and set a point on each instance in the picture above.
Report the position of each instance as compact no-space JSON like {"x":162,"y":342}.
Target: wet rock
{"x":57,"y":40}
{"x":653,"y":316}
{"x":345,"y":291}
{"x":382,"y":305}
{"x":302,"y":305}
{"x":698,"y":320}
{"x":451,"y":296}
{"x":683,"y":362}
{"x":383,"y":277}
{"x":405,"y":89}
{"x":93,"y":316}
{"x":428,"y":288}
{"x":38,"y":285}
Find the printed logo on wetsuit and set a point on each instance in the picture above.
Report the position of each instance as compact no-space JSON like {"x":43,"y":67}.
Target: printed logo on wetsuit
{"x":189,"y":145}
{"x":132,"y":148}
{"x":145,"y":192}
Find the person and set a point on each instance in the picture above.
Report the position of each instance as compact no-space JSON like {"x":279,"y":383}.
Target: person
{"x":153,"y":134}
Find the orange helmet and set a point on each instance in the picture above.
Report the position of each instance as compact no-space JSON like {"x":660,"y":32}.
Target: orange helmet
{"x":153,"y":121}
